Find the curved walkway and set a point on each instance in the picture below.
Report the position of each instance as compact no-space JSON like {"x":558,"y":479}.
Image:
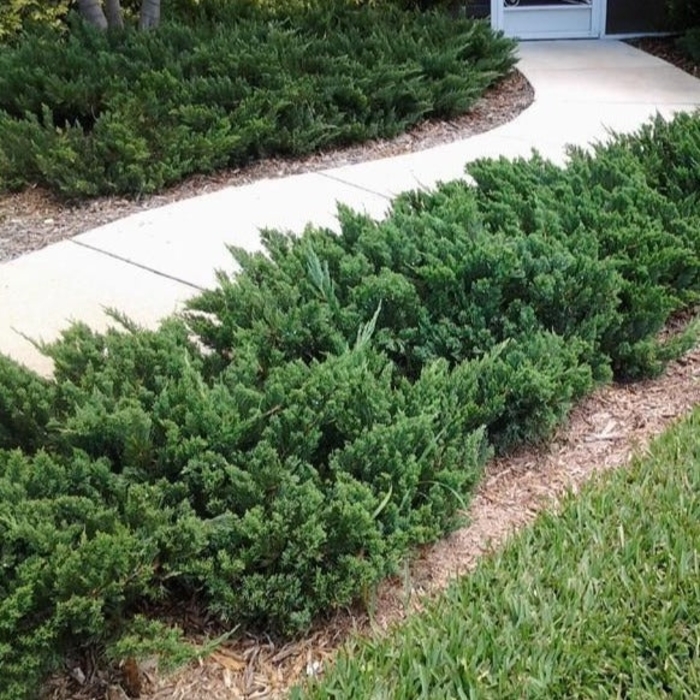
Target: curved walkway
{"x":148,"y":264}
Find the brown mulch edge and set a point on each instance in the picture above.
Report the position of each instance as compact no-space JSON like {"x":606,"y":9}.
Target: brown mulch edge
{"x":602,"y":433}
{"x":32,"y":219}
{"x":666,"y":48}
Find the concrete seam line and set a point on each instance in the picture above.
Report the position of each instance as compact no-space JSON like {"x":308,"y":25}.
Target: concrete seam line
{"x":136,"y":264}
{"x":352,"y":184}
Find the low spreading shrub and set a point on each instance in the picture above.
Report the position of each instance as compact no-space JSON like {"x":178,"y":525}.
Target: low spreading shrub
{"x":639,"y":204}
{"x":271,"y":501}
{"x":279,"y":449}
{"x":18,"y":14}
{"x":684,"y":17}
{"x":447,"y":289}
{"x":689,"y":44}
{"x":87,"y":113}
{"x":683,"y":14}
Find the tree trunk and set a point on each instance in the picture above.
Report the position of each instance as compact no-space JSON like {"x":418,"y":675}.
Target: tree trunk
{"x":92,"y":12}
{"x":115,"y":19}
{"x":150,"y":14}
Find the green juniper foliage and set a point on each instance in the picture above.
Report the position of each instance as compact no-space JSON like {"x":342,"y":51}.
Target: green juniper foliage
{"x":281,"y":447}
{"x":638,"y":202}
{"x":683,"y":14}
{"x":689,"y":43}
{"x":88,"y":113}
{"x":272,"y":501}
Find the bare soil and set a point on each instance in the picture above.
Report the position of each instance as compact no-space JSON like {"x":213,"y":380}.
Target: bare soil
{"x":34,"y":218}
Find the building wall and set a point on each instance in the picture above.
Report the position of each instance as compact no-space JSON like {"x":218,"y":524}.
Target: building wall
{"x":479,"y":8}
{"x":622,"y":16}
{"x":636,"y":16}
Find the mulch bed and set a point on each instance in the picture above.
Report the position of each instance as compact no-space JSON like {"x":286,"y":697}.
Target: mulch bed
{"x":666,"y":48}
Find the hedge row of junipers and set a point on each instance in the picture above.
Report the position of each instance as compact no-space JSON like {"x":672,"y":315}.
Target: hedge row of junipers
{"x":86,"y":113}
{"x":279,"y":449}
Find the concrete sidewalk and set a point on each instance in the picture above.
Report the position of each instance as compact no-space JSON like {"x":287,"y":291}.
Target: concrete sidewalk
{"x":148,"y":264}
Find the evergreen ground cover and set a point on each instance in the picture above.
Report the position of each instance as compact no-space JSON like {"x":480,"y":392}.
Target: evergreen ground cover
{"x":225,"y":82}
{"x":601,"y":600}
{"x":689,"y":44}
{"x":279,"y":449}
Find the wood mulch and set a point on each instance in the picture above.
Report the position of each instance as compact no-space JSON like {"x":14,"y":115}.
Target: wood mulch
{"x":666,"y":48}
{"x":32,"y":219}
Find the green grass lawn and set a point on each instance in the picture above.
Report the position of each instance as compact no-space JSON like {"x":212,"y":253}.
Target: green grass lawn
{"x":602,"y":600}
